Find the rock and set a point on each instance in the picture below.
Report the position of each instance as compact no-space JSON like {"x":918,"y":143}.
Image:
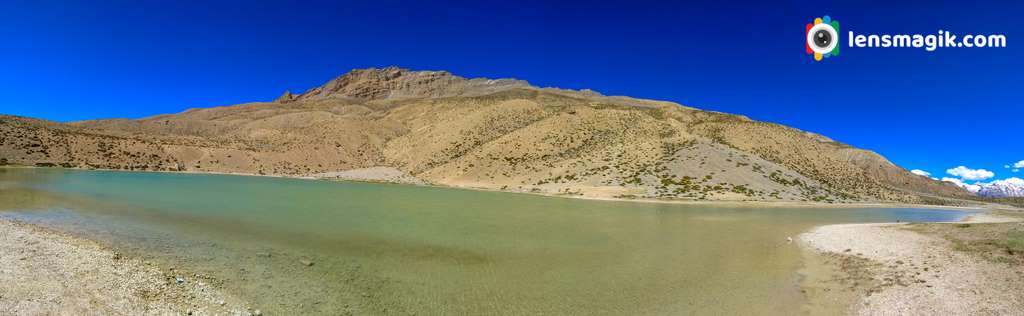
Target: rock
{"x":306,"y":262}
{"x":117,"y":256}
{"x":393,"y":82}
{"x":179,"y":279}
{"x":257,"y":313}
{"x":285,"y":97}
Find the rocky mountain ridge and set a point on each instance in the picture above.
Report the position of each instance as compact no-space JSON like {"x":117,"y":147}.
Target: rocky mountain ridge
{"x":399,"y":83}
{"x":1011,"y":187}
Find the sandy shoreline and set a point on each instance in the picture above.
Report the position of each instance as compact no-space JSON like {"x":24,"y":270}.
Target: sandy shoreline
{"x":887,"y":269}
{"x":45,"y":272}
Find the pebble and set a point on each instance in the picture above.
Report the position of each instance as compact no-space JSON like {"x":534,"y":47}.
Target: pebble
{"x":306,"y":262}
{"x":179,"y":279}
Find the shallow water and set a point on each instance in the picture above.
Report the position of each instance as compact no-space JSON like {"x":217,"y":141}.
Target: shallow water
{"x":395,"y":249}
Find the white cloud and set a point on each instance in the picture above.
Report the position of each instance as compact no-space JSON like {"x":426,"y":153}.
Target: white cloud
{"x":1019,"y":164}
{"x":920,"y":172}
{"x":1015,"y":170}
{"x":973,"y":188}
{"x":970,"y":174}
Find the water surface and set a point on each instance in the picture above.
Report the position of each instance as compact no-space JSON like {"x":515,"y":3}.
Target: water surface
{"x":395,"y":249}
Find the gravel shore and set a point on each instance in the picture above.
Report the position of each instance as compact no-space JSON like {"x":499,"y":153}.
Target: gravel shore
{"x":887,"y":269}
{"x":44,"y":272}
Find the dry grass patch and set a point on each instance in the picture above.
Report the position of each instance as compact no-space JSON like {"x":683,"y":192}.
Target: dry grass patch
{"x":996,"y":242}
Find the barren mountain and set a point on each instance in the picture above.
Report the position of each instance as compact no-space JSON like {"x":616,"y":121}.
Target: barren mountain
{"x":433,"y":127}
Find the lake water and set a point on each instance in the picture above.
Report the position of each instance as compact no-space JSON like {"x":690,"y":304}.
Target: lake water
{"x":402,"y":250}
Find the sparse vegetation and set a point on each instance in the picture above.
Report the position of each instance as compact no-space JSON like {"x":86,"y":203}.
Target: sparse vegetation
{"x":543,"y":140}
{"x":996,"y":242}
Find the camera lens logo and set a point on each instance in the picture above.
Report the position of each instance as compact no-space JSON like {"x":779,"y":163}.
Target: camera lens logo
{"x":823,"y":38}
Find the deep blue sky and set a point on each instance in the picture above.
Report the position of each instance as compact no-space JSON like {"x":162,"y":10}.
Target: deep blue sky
{"x":930,"y":110}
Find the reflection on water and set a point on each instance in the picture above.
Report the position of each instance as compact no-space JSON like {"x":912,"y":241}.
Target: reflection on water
{"x":394,"y":249}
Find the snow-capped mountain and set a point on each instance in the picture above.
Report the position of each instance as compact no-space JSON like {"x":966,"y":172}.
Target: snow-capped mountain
{"x":1012,"y":187}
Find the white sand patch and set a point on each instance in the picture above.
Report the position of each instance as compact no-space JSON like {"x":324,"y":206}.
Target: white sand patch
{"x":920,"y":274}
{"x":375,"y":174}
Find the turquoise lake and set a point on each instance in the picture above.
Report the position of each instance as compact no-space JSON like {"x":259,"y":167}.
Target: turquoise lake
{"x":412,"y":250}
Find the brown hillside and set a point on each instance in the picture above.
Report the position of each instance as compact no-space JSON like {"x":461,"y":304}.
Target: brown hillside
{"x":434,"y":127}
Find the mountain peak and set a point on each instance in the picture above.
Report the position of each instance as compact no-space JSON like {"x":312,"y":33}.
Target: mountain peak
{"x":401,"y":83}
{"x":1011,"y":187}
